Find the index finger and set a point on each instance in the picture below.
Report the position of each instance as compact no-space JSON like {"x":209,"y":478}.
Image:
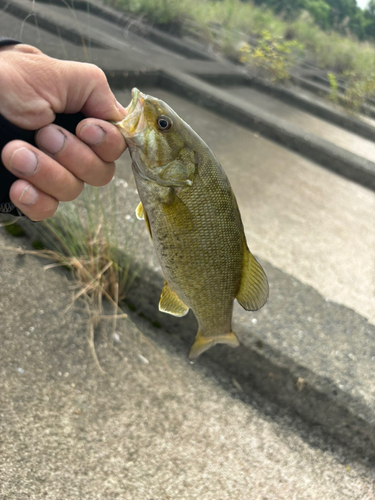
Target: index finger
{"x":103,"y":138}
{"x":86,"y":89}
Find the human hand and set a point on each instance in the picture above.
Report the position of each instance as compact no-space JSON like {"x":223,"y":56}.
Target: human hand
{"x":33,"y":87}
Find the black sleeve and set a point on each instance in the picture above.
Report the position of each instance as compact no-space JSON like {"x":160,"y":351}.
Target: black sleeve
{"x":7,"y":41}
{"x":10,"y":132}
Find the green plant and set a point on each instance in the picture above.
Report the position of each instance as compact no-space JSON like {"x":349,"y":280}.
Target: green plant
{"x":225,"y":24}
{"x":334,"y":90}
{"x":14,"y":230}
{"x":358,"y":90}
{"x":162,"y":12}
{"x":272,"y":56}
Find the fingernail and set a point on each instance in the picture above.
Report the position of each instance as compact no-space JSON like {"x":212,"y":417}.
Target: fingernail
{"x":24,"y":161}
{"x":93,"y":135}
{"x":121,"y":108}
{"x":51,"y":139}
{"x":29,"y":195}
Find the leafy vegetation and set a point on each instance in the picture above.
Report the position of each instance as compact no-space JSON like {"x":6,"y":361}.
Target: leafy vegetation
{"x":334,"y":92}
{"x":327,"y":31}
{"x":272,"y":56}
{"x":358,"y":90}
{"x":343,"y":16}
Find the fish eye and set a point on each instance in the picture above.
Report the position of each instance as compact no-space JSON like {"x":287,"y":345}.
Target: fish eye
{"x":164,"y":123}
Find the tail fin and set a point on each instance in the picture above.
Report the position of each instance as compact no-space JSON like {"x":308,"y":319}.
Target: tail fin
{"x":202,"y":343}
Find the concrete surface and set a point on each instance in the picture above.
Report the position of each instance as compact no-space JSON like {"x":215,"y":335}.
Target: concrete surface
{"x":217,"y":429}
{"x":153,"y":427}
{"x":312,"y":124}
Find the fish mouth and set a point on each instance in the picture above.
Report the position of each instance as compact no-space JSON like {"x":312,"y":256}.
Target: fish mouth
{"x":134,"y":121}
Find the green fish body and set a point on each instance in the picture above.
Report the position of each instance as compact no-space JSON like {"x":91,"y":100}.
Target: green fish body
{"x":194,"y":222}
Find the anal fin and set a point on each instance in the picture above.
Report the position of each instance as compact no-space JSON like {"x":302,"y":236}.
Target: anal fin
{"x":253,"y":292}
{"x":171,"y":303}
{"x":202,"y":343}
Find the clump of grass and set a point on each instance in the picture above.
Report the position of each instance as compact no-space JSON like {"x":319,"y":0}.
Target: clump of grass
{"x":272,"y":56}
{"x":162,"y":12}
{"x":358,"y":90}
{"x":83,"y":236}
{"x":356,"y":93}
{"x":330,"y":49}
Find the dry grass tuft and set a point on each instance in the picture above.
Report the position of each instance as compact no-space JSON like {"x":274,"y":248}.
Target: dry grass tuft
{"x":83,"y":237}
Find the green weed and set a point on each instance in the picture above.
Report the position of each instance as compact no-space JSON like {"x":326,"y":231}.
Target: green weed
{"x":358,"y":90}
{"x":334,"y":90}
{"x":14,"y":230}
{"x":227,"y":26}
{"x":272,"y":56}
{"x":83,"y":237}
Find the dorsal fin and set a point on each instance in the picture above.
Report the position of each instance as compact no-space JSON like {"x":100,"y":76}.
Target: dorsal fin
{"x":253,"y":291}
{"x":171,"y":303}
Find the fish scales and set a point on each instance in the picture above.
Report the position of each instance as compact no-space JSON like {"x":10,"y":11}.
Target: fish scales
{"x":194,"y":222}
{"x":203,"y":277}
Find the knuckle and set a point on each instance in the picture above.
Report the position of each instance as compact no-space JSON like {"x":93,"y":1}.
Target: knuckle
{"x":27,"y":49}
{"x":96,"y":72}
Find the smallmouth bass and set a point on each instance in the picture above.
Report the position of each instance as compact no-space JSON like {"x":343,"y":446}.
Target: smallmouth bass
{"x":193,"y":219}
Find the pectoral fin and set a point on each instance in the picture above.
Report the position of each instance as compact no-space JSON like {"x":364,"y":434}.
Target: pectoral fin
{"x":141,"y":214}
{"x":253,"y":291}
{"x":202,"y":343}
{"x":171,"y":303}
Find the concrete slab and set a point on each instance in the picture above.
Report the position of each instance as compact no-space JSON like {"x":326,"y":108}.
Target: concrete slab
{"x":129,"y":62}
{"x":311,"y":124}
{"x":31,"y":33}
{"x":152,"y":427}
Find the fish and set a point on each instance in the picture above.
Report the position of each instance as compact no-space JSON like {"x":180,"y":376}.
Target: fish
{"x":193,"y":219}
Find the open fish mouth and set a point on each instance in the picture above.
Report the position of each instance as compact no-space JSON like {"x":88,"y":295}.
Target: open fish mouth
{"x":134,"y":121}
